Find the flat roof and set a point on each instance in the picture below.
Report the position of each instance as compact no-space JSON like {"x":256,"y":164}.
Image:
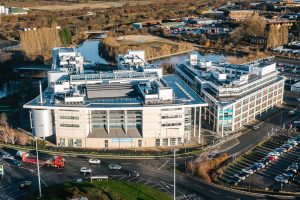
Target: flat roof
{"x":122,"y":96}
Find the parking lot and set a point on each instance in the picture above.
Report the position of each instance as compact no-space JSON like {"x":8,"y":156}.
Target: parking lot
{"x":263,"y":177}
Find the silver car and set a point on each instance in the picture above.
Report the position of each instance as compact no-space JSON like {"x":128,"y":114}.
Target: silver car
{"x":114,"y":166}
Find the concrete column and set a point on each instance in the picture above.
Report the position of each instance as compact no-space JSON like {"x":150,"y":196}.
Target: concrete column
{"x":195,"y":119}
{"x":248,"y":109}
{"x":199,"y":126}
{"x":125,"y":120}
{"x":255,"y":99}
{"x":233,"y":118}
{"x":267,"y":102}
{"x":222,"y":123}
{"x":107,"y":115}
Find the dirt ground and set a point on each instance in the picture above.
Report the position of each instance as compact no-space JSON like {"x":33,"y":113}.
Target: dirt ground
{"x":143,"y":39}
{"x":56,"y":5}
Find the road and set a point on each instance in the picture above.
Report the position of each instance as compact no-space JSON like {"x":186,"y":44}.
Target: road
{"x":157,"y":177}
{"x":153,"y":173}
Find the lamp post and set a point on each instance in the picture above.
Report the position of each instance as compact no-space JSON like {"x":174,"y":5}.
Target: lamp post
{"x":37,"y":156}
{"x":174,"y":153}
{"x":38,"y":166}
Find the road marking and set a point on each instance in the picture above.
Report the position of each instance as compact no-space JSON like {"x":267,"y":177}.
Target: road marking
{"x":44,"y":182}
{"x":199,"y":187}
{"x":131,"y":178}
{"x":156,"y":184}
{"x":140,"y":180}
{"x":215,"y":192}
{"x":165,"y":184}
{"x":163,"y":165}
{"x":122,"y":177}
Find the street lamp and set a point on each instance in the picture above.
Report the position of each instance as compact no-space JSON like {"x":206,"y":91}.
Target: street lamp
{"x":174,"y":153}
{"x":38,"y":166}
{"x":37,"y":156}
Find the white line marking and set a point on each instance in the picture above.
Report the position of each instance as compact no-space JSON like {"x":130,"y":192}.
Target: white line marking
{"x":163,"y":165}
{"x":199,"y":187}
{"x":44,"y":182}
{"x":131,"y":178}
{"x":215,"y":192}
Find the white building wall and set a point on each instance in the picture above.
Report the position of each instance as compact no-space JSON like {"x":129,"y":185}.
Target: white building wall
{"x":151,"y":123}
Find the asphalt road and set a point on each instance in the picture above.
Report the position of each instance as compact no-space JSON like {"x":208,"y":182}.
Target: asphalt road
{"x":153,"y":173}
{"x":156,"y":177}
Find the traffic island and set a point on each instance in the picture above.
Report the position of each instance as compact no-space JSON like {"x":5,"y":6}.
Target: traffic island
{"x":106,"y":189}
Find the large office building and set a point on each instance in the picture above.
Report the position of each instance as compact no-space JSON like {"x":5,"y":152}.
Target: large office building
{"x":135,"y":106}
{"x":236,"y":94}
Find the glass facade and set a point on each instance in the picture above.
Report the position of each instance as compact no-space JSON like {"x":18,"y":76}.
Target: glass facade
{"x":117,"y":119}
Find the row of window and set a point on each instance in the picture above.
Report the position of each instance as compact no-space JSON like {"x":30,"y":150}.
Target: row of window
{"x":171,"y":116}
{"x":69,"y":117}
{"x":170,"y":109}
{"x":69,"y":125}
{"x":71,"y":142}
{"x":167,"y":142}
{"x":170,"y":124}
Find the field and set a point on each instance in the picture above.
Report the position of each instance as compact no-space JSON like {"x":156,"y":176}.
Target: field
{"x":108,"y":190}
{"x":57,"y":5}
{"x":152,"y":45}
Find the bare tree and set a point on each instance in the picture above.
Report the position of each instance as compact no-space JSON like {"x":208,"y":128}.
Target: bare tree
{"x":4,"y":136}
{"x":21,"y":138}
{"x":3,"y":119}
{"x":12,"y":136}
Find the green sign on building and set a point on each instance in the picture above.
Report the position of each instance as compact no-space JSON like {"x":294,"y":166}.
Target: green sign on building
{"x":1,"y":170}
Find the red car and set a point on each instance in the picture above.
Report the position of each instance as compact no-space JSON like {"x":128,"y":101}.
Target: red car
{"x":272,"y":157}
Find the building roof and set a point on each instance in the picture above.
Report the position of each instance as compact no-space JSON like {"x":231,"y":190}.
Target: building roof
{"x":119,"y":95}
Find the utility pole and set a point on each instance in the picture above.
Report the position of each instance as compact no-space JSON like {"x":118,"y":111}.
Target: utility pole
{"x":38,"y":166}
{"x":174,"y":153}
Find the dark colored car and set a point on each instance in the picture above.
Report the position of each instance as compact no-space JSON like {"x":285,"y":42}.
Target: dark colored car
{"x":133,"y":174}
{"x":25,"y":184}
{"x":14,"y":162}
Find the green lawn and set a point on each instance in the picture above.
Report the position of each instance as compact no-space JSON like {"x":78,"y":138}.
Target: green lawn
{"x":106,"y":190}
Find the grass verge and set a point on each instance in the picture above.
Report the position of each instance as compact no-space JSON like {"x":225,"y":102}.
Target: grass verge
{"x":108,"y":190}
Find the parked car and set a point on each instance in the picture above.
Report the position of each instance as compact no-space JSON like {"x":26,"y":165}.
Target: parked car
{"x":282,"y":179}
{"x":114,"y":166}
{"x":274,"y":153}
{"x":259,"y":165}
{"x":25,"y":184}
{"x":288,"y":175}
{"x":14,"y":162}
{"x":256,"y":128}
{"x":8,"y":156}
{"x":264,"y":161}
{"x":85,"y":170}
{"x":234,"y":180}
{"x":292,"y":168}
{"x":94,"y":161}
{"x":133,"y":174}
{"x":280,"y":150}
{"x":248,"y":170}
{"x":272,"y":157}
{"x":292,"y":142}
{"x":288,"y":147}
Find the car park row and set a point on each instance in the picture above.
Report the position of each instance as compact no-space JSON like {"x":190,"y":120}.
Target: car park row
{"x":261,"y":159}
